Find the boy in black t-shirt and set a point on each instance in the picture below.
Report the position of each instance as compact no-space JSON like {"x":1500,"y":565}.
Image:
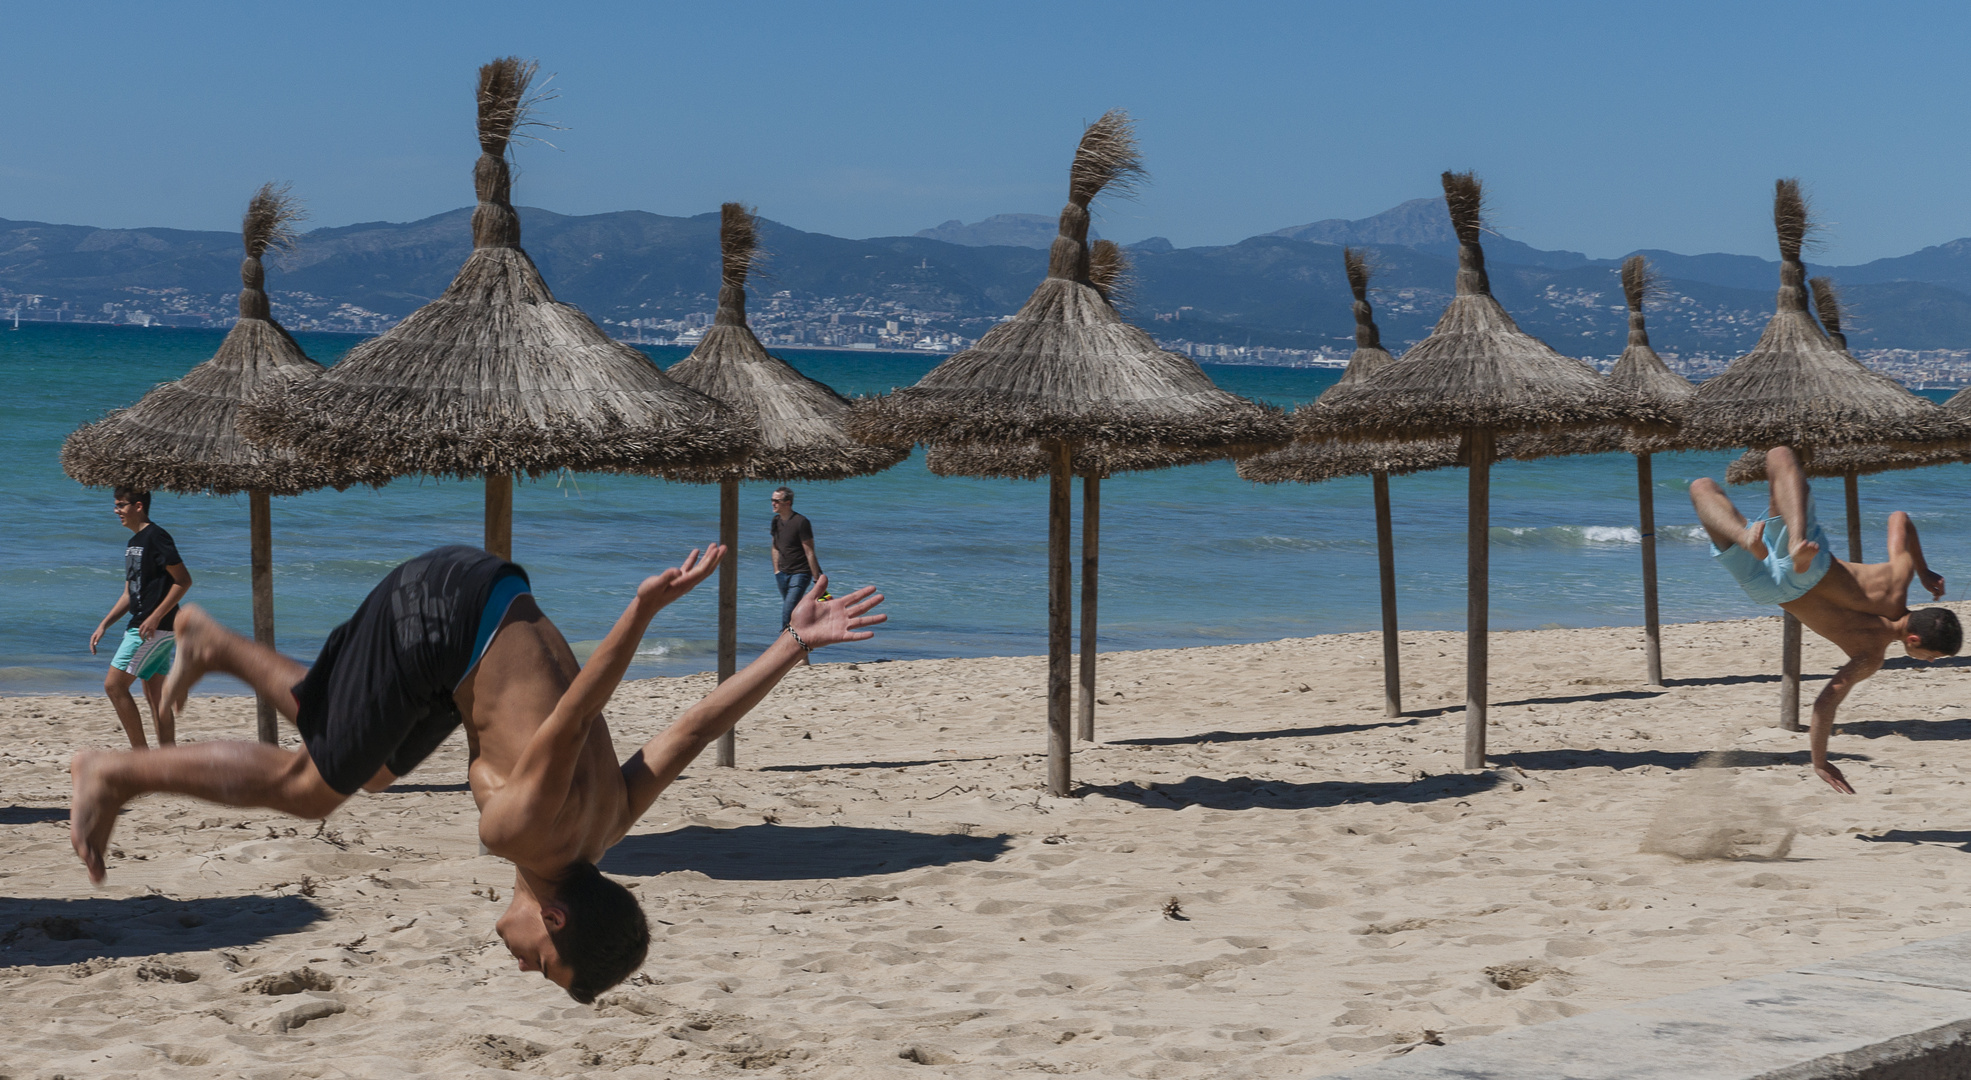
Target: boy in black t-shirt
{"x":155,"y":579}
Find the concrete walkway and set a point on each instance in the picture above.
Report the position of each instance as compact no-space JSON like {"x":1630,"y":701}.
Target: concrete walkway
{"x":1898,"y":1014}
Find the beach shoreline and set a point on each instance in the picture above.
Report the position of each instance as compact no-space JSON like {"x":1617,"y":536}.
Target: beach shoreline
{"x":1259,"y":871}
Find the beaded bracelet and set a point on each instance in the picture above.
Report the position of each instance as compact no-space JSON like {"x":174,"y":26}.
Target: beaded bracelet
{"x":797,"y":640}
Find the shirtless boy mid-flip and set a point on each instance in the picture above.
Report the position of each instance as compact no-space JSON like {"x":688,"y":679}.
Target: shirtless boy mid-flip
{"x":452,"y":637}
{"x":1861,"y":607}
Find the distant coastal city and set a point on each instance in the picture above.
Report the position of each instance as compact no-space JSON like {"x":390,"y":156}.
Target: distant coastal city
{"x":853,"y":322}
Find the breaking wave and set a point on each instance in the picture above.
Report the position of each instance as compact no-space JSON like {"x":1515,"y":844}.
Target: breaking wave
{"x":1591,"y":535}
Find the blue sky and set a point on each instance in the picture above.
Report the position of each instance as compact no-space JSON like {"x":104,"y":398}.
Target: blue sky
{"x":1598,"y":127}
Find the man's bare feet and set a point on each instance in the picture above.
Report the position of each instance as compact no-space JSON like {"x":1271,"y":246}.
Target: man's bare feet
{"x":189,"y":660}
{"x":92,"y":809}
{"x":1803,"y":555}
{"x":1753,"y":539}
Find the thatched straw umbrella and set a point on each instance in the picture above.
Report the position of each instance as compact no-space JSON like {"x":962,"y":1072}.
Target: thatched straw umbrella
{"x":1640,"y":370}
{"x":1797,"y":388}
{"x":797,"y":423}
{"x":495,"y":377}
{"x":1313,"y":462}
{"x":1109,"y":273}
{"x":1066,"y":372}
{"x":1479,"y":376}
{"x":181,"y":436}
{"x":1850,"y":463}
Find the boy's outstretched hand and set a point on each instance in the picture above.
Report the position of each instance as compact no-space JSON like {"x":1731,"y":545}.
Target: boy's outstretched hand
{"x":829,"y":622}
{"x":675,"y":582}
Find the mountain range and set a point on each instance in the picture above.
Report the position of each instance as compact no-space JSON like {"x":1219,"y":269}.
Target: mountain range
{"x":1285,"y":288}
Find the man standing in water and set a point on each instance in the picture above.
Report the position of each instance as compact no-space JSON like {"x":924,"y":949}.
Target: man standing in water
{"x":452,"y":637}
{"x":1862,"y":608}
{"x":794,"y":563}
{"x":154,"y":580}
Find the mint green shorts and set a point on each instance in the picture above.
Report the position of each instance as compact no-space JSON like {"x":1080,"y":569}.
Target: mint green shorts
{"x":145,"y":659}
{"x":1772,"y":580}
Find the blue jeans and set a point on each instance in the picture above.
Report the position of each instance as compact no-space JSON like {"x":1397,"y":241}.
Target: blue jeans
{"x":792,"y":588}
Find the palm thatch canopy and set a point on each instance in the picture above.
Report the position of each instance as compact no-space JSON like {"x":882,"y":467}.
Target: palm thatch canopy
{"x":1110,"y":273}
{"x":1067,"y":367}
{"x":495,"y":376}
{"x":1313,"y":462}
{"x":1639,"y":370}
{"x":1796,"y":388}
{"x":1857,"y":459}
{"x":1327,"y":459}
{"x":181,"y":436}
{"x":798,"y":422}
{"x":1369,"y":355}
{"x":1029,"y":461}
{"x":1476,"y":371}
{"x":1827,"y":307}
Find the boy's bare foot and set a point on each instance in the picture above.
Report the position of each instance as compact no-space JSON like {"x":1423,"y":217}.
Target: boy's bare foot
{"x":1753,"y":539}
{"x":92,"y":809}
{"x":1803,"y":555}
{"x":189,"y":660}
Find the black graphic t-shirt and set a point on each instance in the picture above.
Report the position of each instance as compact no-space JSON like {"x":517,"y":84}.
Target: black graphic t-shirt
{"x":150,"y":551}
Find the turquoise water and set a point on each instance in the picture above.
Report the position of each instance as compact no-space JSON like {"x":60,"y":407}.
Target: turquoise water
{"x":1191,"y":556}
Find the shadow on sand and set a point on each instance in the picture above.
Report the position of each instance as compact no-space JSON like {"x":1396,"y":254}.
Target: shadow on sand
{"x":790,"y":853}
{"x":827,"y":765}
{"x":1247,"y":793}
{"x":29,"y":815}
{"x":54,"y":932}
{"x":1960,"y":838}
{"x":1552,"y":760}
{"x":1250,"y":736}
{"x":1913,"y":730}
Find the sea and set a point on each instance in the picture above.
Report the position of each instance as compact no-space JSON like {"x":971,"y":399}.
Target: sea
{"x":1189,"y":556}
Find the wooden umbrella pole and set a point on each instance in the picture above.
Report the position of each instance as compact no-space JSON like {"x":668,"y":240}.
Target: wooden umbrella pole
{"x":499,"y":514}
{"x":1060,"y":617}
{"x":728,"y":603}
{"x":1789,"y":673}
{"x":1652,"y":624}
{"x":1091,"y":546}
{"x":1477,"y":594}
{"x":1853,"y":484}
{"x":1392,"y":674}
{"x":262,"y":530}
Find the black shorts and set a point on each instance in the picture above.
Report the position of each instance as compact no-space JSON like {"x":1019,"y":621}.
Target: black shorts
{"x":380,"y":694}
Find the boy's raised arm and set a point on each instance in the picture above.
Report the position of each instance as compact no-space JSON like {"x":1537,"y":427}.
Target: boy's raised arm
{"x":546,"y":767}
{"x":1904,"y":545}
{"x":651,"y":769}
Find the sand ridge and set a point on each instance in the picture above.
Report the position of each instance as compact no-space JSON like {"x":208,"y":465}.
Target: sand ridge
{"x":1261,"y":873}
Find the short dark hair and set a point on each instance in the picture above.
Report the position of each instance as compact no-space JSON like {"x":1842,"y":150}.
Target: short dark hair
{"x":1937,"y":630}
{"x":787,"y":492}
{"x":133,"y":495}
{"x":606,"y":936}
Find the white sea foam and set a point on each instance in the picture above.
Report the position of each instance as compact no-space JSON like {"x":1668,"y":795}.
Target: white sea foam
{"x":1587,"y":535}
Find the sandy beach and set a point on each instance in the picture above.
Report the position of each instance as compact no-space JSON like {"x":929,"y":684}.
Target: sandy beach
{"x":1262,"y":874}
